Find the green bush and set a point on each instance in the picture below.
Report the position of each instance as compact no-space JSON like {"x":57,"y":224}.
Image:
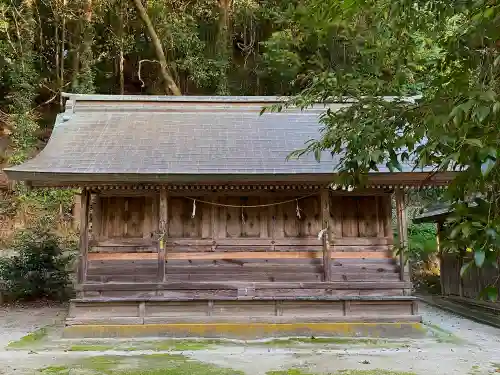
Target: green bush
{"x":422,"y":241}
{"x":423,"y":255}
{"x":39,"y":268}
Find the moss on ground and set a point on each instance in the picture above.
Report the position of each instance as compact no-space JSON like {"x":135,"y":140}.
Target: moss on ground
{"x":204,"y":344}
{"x":342,"y":372}
{"x":30,"y":339}
{"x":155,"y":364}
{"x":327,"y":340}
{"x":157,"y":345}
{"x":55,"y":370}
{"x":443,"y":336}
{"x":373,"y":372}
{"x":90,"y":348}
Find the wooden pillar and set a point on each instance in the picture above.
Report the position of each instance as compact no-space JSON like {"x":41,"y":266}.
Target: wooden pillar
{"x":163,"y":229}
{"x":402,"y":224}
{"x":325,"y":220}
{"x":84,"y":235}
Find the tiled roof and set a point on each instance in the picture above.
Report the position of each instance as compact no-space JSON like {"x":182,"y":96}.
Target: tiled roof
{"x":177,"y":136}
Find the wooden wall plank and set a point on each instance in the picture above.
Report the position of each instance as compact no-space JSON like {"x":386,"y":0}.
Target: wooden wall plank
{"x":155,"y":218}
{"x":136,"y":207}
{"x":367,"y":216}
{"x":310,"y":222}
{"x":336,"y":212}
{"x":191,"y":225}
{"x":233,"y":217}
{"x":96,"y":217}
{"x":279,"y":225}
{"x":310,"y":241}
{"x":240,"y":255}
{"x":222,"y":219}
{"x":264,"y":219}
{"x":147,"y":227}
{"x":175,"y":217}
{"x":290,"y":220}
{"x":251,"y":226}
{"x":325,"y":220}
{"x":388,"y":232}
{"x":84,"y":235}
{"x":206,"y":220}
{"x":164,"y":230}
{"x":402,"y":224}
{"x":214,"y":219}
{"x":350,"y":217}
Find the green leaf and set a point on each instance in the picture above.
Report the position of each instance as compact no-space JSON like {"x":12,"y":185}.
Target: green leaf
{"x":474,"y":142}
{"x":496,"y":106}
{"x":482,"y":112}
{"x":479,"y":257}
{"x":465,"y":268}
{"x":466,"y":229}
{"x":492,"y":233}
{"x":492,"y":293}
{"x":317,"y":154}
{"x":487,"y":166}
{"x":455,"y":232}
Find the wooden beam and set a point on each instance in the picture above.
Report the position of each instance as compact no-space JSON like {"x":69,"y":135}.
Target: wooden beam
{"x":307,"y":241}
{"x":84,"y":235}
{"x":241,"y":255}
{"x":163,"y":225}
{"x":402,"y":225}
{"x":325,"y":219}
{"x":214,"y":285}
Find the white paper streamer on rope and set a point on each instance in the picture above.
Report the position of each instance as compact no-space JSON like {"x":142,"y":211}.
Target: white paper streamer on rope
{"x":297,"y":209}
{"x":193,"y":214}
{"x":251,"y":206}
{"x":321,"y":233}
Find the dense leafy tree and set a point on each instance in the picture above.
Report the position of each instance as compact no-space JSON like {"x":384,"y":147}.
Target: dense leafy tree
{"x":447,"y":53}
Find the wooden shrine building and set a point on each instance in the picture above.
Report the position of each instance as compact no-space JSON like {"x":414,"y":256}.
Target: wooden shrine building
{"x":191,"y":214}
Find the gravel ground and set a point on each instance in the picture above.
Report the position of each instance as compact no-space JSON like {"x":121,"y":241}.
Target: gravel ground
{"x":473,"y":349}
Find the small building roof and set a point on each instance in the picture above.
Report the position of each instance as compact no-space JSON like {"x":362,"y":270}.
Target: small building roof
{"x":434,"y":213}
{"x":148,"y":139}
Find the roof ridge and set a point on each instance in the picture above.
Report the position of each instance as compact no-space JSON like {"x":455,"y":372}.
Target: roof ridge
{"x":213,"y":98}
{"x":172,"y":98}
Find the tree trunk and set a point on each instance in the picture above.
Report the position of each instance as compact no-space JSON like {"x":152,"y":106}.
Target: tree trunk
{"x":63,"y":42}
{"x":75,"y":59}
{"x":86,"y":56}
{"x":223,"y":43}
{"x":169,"y":84}
{"x":121,"y":62}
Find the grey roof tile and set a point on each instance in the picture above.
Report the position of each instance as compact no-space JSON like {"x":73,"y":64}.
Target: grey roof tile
{"x":182,"y":138}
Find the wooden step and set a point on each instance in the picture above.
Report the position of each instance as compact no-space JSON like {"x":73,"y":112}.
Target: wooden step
{"x":230,"y":310}
{"x":238,"y":285}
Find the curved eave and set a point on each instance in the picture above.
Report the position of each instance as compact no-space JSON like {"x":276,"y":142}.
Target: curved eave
{"x":44,"y":179}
